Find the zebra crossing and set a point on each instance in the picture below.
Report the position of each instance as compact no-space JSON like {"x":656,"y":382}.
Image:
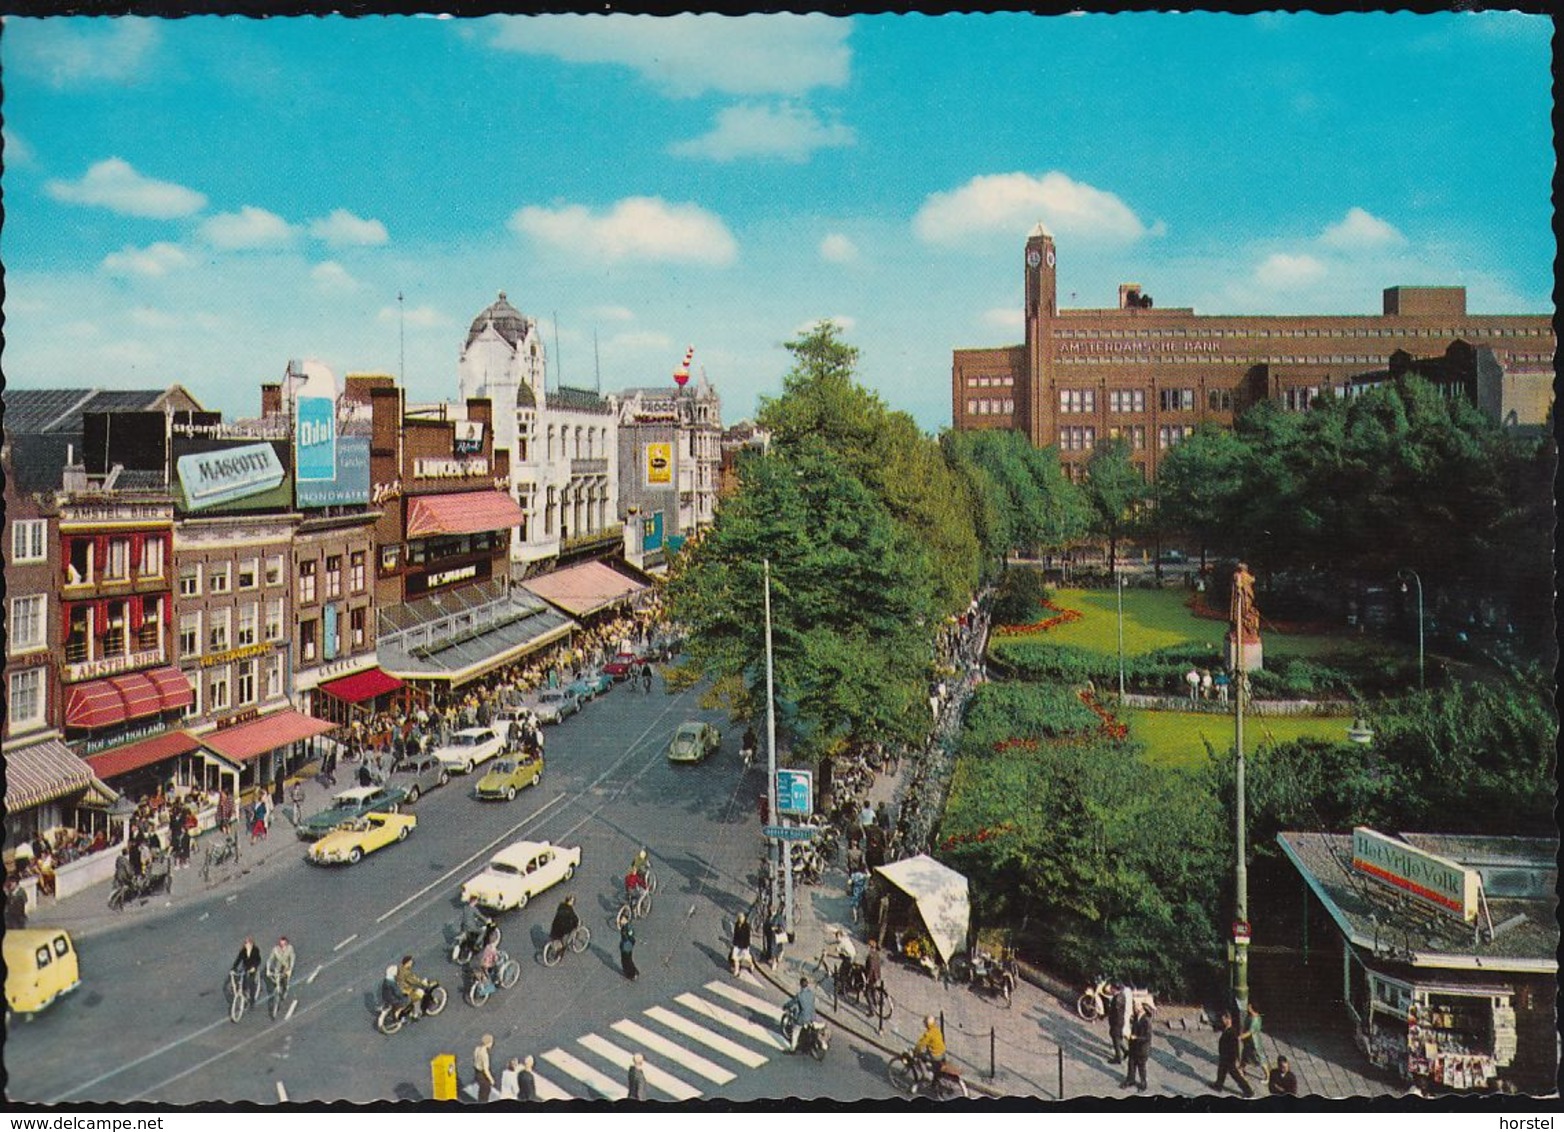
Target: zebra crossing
{"x":702,"y":1039}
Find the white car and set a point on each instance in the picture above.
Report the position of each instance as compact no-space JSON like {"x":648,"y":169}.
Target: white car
{"x":555,"y":704}
{"x":519,"y":872}
{"x":469,"y":747}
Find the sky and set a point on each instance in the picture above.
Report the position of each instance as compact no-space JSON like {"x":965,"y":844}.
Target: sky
{"x":200,"y":200}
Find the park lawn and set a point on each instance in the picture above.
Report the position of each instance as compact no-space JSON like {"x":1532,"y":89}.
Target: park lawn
{"x":1177,"y":739}
{"x":1157,"y":619}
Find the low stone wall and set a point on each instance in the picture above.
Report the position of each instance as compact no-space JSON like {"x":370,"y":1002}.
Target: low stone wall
{"x":1253,"y":707}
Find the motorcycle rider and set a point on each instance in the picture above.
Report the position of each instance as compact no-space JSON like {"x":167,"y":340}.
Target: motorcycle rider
{"x":391,"y":991}
{"x":565,"y":920}
{"x":474,"y":924}
{"x":411,"y":985}
{"x":931,"y":1047}
{"x":803,"y":1004}
{"x":125,"y":872}
{"x":247,"y":965}
{"x":485,"y":958}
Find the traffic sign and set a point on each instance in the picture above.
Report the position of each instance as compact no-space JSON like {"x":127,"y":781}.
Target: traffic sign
{"x":795,"y":792}
{"x":1240,"y":931}
{"x":789,"y":832}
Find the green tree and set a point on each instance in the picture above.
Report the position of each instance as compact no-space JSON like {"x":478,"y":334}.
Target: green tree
{"x":1116,"y":491}
{"x":1201,"y":487}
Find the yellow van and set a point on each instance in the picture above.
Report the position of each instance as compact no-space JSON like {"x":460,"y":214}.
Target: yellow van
{"x":40,"y":966}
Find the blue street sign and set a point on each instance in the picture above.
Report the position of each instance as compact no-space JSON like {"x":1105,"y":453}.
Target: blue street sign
{"x":795,"y":792}
{"x":789,"y":832}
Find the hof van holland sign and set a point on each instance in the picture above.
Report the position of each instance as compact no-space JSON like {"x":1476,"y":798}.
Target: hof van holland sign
{"x":1431,"y":880}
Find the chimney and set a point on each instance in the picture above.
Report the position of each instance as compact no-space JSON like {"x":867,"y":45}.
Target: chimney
{"x":271,"y":399}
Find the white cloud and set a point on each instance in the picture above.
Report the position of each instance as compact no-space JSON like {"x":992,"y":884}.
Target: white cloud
{"x":1010,"y":203}
{"x":424,"y":317}
{"x":788,"y":132}
{"x":636,"y":228}
{"x":1360,"y":230}
{"x":1005,"y":318}
{"x":113,"y":184}
{"x":613,"y":314}
{"x":153,"y":260}
{"x":837,"y":248}
{"x":685,"y":54}
{"x":330,"y":275}
{"x":17,"y":150}
{"x":247,"y":229}
{"x":343,"y":229}
{"x":1282,"y":271}
{"x":66,"y":52}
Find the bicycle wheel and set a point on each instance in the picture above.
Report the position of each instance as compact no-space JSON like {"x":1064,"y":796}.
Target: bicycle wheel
{"x":580,"y":938}
{"x":476,"y":995}
{"x":509,"y":973}
{"x":389,"y":1020}
{"x":553,"y":952}
{"x":650,"y":877}
{"x":881,"y":1004}
{"x":623,"y":917}
{"x":1086,"y":1006}
{"x":236,"y":1004}
{"x":903,"y":1076}
{"x":434,"y":1001}
{"x":643,"y":905}
{"x":817,"y":1047}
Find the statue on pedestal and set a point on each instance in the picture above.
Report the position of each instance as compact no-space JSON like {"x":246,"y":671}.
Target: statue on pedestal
{"x":1244,"y":617}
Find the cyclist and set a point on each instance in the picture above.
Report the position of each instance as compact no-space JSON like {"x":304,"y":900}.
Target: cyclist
{"x":565,"y":920}
{"x":486,"y":958}
{"x":931,"y":1047}
{"x":279,"y":965}
{"x":871,"y":966}
{"x":846,"y":959}
{"x":474,"y":924}
{"x":247,"y":965}
{"x":646,"y":678}
{"x":803,"y":1006}
{"x":635,"y":884}
{"x":411,"y":985}
{"x":642,"y":864}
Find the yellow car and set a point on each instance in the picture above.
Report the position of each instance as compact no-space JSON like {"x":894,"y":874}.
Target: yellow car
{"x":348,"y":843}
{"x":40,"y":966}
{"x":510,"y":774}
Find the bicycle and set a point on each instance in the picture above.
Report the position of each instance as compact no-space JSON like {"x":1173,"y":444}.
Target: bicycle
{"x":217,"y":854}
{"x":280,"y":982}
{"x":238,"y":1000}
{"x":577,"y":941}
{"x":506,"y":974}
{"x":634,"y":908}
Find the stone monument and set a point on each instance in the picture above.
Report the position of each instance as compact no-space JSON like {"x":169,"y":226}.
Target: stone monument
{"x":1244,"y":619}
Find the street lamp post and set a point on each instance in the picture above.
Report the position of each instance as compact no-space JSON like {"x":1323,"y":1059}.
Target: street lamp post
{"x":1403,"y":574}
{"x":778,"y":849}
{"x":1240,"y":971}
{"x":1118,"y":574}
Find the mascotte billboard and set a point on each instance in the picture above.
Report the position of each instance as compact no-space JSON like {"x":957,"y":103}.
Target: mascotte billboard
{"x":214,"y":476}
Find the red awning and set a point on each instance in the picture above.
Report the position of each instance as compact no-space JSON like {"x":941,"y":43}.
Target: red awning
{"x":121,"y":760}
{"x":99,"y":703}
{"x":585,"y":588}
{"x":464,"y":514}
{"x":250,"y":740}
{"x":361,"y":686}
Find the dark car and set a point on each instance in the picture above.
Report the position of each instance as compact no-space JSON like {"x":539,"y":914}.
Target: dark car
{"x":419,"y":774}
{"x":350,"y":804}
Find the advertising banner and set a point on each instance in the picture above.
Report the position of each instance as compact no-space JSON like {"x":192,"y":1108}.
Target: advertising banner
{"x":659,"y":464}
{"x":469,"y":438}
{"x":328,"y":644}
{"x":652,"y":532}
{"x":315,"y":439}
{"x":220,"y":476}
{"x":350,"y":485}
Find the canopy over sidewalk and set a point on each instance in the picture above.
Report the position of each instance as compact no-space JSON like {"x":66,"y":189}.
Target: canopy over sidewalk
{"x":940,"y":894}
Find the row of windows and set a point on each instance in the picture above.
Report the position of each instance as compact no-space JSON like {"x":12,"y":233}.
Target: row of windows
{"x":218,"y":622}
{"x":1378,"y":360}
{"x":1169,"y":436}
{"x":222,"y":577}
{"x":1160,"y":333}
{"x":310,"y":635}
{"x":90,"y":559}
{"x":234,"y":686}
{"x":989,"y":382}
{"x":1077,"y":438}
{"x":983,"y":408}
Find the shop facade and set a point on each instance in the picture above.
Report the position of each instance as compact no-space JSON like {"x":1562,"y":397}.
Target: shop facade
{"x":1449,"y":952}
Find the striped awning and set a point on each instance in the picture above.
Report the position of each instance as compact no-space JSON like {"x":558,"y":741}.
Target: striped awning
{"x":134,"y":756}
{"x":41,"y":773}
{"x":131,"y":695}
{"x":251,"y":740}
{"x":463,"y":514}
{"x":584,"y":589}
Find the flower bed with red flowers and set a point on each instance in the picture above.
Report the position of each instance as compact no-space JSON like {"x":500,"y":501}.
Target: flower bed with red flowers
{"x":1061,"y":617}
{"x":1111,"y":727}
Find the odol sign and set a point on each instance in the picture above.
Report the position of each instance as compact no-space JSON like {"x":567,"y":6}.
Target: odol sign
{"x":315,"y":425}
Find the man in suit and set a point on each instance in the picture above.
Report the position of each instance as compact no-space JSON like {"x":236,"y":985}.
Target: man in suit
{"x":1227,"y":1058}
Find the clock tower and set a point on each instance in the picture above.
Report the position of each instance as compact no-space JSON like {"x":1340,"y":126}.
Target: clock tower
{"x":1042,"y":306}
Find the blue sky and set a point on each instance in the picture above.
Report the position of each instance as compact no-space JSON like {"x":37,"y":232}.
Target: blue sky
{"x":201,"y":200}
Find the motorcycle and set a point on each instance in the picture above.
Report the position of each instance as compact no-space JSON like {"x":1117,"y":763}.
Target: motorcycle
{"x":393,"y":1017}
{"x":987,"y":974}
{"x":466,"y":946}
{"x":815,"y":1039}
{"x":1093,"y":1003}
{"x":480,"y":989}
{"x":911,"y":1075}
{"x":158,"y":876}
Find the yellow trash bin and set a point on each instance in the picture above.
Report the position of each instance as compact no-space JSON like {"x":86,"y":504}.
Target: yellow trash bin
{"x":442,"y":1070}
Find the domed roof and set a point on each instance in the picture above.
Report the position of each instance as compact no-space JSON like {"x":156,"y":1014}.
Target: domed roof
{"x":509,"y":321}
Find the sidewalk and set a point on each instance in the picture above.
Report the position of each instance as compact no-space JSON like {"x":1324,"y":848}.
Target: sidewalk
{"x":87,"y":913}
{"x":1039,"y":1047}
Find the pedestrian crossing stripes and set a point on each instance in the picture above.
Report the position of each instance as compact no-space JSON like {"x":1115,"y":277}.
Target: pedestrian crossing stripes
{"x":725,"y":1022}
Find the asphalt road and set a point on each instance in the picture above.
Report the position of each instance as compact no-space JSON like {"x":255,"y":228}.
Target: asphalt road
{"x":150,"y":1021}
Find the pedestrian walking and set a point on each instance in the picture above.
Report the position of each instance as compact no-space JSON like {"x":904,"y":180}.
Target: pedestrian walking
{"x":1221,"y":682}
{"x":508,"y":1079}
{"x":627,"y":950}
{"x":526,"y":1082}
{"x":1205,"y":683}
{"x":1192,"y":678}
{"x":480,"y":1068}
{"x":636,"y":1083}
{"x":1118,"y":1020}
{"x":15,"y":905}
{"x":1250,"y":1052}
{"x":1140,"y":1047}
{"x":740,"y":955}
{"x":776,"y":937}
{"x":1227,"y":1058}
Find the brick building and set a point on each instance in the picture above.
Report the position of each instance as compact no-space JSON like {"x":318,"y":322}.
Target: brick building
{"x":1150,"y":374}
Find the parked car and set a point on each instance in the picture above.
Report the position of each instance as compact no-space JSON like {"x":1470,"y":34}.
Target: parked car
{"x":554,"y":704}
{"x":693,"y":742}
{"x":508,"y":775}
{"x":419,"y":774}
{"x":353,"y":840}
{"x":350,"y":804}
{"x":622,"y":664}
{"x":40,"y":966}
{"x":470,"y":747}
{"x":591,"y":686}
{"x":519,"y":872}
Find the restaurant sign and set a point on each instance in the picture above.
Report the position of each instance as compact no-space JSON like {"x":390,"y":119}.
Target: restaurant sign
{"x":109,"y":665}
{"x":1434,"y":881}
{"x":243,"y":652}
{"x":428,"y":467}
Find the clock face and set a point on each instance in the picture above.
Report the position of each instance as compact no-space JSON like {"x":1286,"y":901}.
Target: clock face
{"x":1033,"y":258}
{"x":1050,"y":257}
